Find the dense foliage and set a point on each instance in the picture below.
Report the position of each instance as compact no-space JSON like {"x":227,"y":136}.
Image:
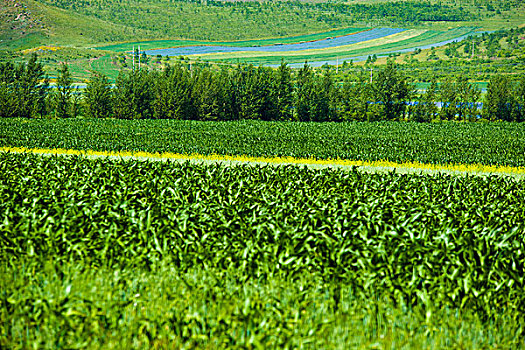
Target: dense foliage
{"x":23,"y":89}
{"x":247,"y":92}
{"x":74,"y":306}
{"x":423,"y":242}
{"x":439,"y":143}
{"x":213,"y":20}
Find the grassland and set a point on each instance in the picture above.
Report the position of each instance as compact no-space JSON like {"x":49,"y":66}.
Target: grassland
{"x":118,"y":254}
{"x":62,"y":28}
{"x":215,"y":20}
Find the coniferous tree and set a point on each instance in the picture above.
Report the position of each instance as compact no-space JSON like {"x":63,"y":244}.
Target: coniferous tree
{"x":62,"y":94}
{"x":34,"y":88}
{"x":355,"y":99}
{"x":448,"y":99}
{"x":304,"y":93}
{"x":98,"y":97}
{"x":251,"y":95}
{"x":174,"y":96}
{"x":233,"y":92}
{"x":134,"y":95}
{"x":391,"y":91}
{"x":284,"y":92}
{"x":123,"y":106}
{"x":426,"y":110}
{"x":76,"y":102}
{"x":162,"y":102}
{"x":7,"y":77}
{"x":255,"y":93}
{"x":497,"y":104}
{"x":267,"y":104}
{"x":209,"y":92}
{"x":21,"y":86}
{"x":334,"y":97}
{"x":6,"y":108}
{"x":323,"y":98}
{"x":43,"y":104}
{"x":519,"y":107}
{"x":467,"y":99}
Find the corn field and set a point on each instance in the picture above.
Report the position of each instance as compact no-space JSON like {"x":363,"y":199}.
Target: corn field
{"x":495,"y":144}
{"x":101,"y":253}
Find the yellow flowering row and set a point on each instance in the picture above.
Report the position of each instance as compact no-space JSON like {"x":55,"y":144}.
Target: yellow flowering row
{"x":41,"y":48}
{"x":414,"y":166}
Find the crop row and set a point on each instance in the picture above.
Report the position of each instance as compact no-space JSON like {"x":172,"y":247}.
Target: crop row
{"x":409,"y":40}
{"x":440,"y":240}
{"x":158,"y":44}
{"x":500,"y":144}
{"x":113,"y":254}
{"x":317,"y":44}
{"x":74,"y":306}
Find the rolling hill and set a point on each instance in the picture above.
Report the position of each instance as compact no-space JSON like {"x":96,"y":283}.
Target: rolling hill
{"x":96,"y":34}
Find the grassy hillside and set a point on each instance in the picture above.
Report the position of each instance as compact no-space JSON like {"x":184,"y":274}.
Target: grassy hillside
{"x":94,"y":35}
{"x":217,"y":20}
{"x":96,"y":22}
{"x":52,"y":25}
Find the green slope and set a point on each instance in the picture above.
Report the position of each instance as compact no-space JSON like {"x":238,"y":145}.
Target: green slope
{"x":101,"y":23}
{"x":64,"y":28}
{"x":94,"y":34}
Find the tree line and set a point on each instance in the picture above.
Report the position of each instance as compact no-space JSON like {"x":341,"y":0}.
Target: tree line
{"x":248,"y":92}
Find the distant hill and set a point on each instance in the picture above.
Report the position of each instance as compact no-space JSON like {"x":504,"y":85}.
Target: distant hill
{"x":97,"y":35}
{"x":29,"y":23}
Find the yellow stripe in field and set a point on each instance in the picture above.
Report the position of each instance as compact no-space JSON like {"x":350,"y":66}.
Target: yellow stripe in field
{"x":380,"y":164}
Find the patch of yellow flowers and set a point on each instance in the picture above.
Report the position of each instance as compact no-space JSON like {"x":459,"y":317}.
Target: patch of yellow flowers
{"x":415,"y":166}
{"x":41,"y":48}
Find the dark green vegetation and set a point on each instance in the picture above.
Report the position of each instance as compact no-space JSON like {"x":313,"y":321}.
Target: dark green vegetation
{"x":101,"y":253}
{"x":23,"y":89}
{"x":247,"y":92}
{"x":439,"y":143}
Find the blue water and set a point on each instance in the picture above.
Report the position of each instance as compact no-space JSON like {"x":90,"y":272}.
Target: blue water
{"x":319,"y":44}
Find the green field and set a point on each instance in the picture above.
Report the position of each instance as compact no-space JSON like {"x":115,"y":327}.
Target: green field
{"x":156,"y":44}
{"x":248,"y":234}
{"x":379,"y":46}
{"x":498,"y":143}
{"x":118,"y":254}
